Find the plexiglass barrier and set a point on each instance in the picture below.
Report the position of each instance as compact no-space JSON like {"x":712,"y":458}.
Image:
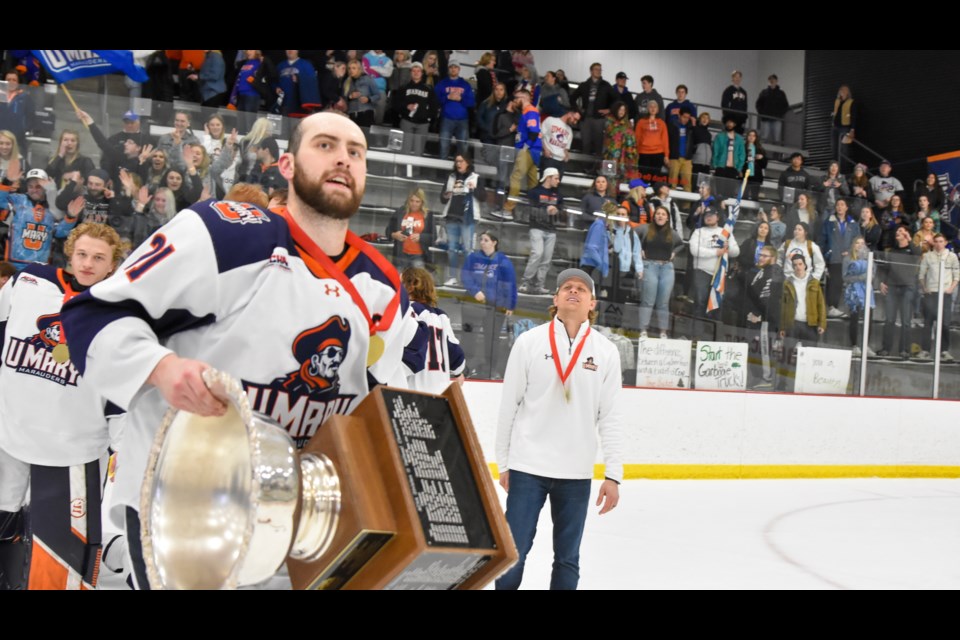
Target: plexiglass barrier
{"x":768,"y":324}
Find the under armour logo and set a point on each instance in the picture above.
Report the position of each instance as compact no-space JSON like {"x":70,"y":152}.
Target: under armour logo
{"x":334,"y":290}
{"x":549,"y":356}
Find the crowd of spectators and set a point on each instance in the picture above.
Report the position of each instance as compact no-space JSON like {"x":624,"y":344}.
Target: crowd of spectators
{"x":634,"y":231}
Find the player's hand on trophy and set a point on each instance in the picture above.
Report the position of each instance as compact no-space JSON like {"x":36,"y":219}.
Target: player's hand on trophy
{"x":180,"y":380}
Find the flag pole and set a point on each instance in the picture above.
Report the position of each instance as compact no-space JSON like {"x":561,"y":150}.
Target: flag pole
{"x":743,"y":188}
{"x":72,"y":102}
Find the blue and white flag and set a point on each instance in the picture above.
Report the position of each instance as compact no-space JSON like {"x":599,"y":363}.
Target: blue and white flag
{"x":719,"y":284}
{"x":69,"y":64}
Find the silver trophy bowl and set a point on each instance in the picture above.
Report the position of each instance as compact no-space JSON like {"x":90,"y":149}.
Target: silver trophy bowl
{"x":219,"y":501}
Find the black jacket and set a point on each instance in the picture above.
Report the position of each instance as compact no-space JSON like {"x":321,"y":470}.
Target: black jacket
{"x":900,"y":266}
{"x":605,"y":97}
{"x":420,"y":94}
{"x":627,"y":98}
{"x":734,"y":98}
{"x":773,"y":102}
{"x":764,"y":290}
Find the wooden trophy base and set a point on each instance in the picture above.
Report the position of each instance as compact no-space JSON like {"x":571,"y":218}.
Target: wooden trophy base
{"x":418,"y":507}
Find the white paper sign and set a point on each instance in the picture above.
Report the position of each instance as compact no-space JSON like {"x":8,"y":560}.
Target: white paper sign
{"x":663,"y":363}
{"x":721,"y":366}
{"x":822,"y":370}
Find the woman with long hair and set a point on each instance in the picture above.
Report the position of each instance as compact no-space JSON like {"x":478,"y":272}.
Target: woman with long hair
{"x":926,"y":210}
{"x":462,"y":196}
{"x":755,"y":181}
{"x":431,"y":68}
{"x":489,"y":109}
{"x":10,"y":151}
{"x":619,"y":141}
{"x":778,"y":228}
{"x":593,"y":201}
{"x":932,"y":189}
{"x":444,"y":358}
{"x":197,"y":162}
{"x":802,"y":244}
{"x":185,"y":189}
{"x":892,"y":217}
{"x":151,"y":213}
{"x":803,"y":211}
{"x":490,"y":279}
{"x":870,"y":229}
{"x":923,"y":238}
{"x":153,"y":164}
{"x":261,"y":130}
{"x":743,"y":269}
{"x":215,"y":135}
{"x":834,"y":186}
{"x":638,"y":210}
{"x":660,"y":245}
{"x":859,"y":183}
{"x":855,"y":291}
{"x":412,"y":231}
{"x":68,"y":159}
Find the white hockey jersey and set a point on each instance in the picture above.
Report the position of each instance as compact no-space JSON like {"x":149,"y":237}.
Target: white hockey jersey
{"x":444,"y":355}
{"x":49,"y":415}
{"x":235,"y":286}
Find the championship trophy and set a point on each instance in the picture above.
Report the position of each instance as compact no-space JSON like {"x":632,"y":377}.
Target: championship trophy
{"x":396,"y":495}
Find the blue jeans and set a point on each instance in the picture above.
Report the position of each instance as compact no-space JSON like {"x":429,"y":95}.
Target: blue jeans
{"x":459,"y":240}
{"x":458,"y":129}
{"x":658,"y":281}
{"x":569,"y":500}
{"x":771,"y":130}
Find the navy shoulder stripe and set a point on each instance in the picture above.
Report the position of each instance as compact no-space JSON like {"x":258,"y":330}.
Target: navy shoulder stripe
{"x":44,"y":271}
{"x":363,"y":264}
{"x":242,"y":233}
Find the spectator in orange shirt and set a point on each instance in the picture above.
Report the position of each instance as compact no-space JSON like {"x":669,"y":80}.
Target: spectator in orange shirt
{"x":190,"y":62}
{"x":653,"y":143}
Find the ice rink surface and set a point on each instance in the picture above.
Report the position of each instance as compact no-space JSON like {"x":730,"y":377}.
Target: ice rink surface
{"x":767,"y":534}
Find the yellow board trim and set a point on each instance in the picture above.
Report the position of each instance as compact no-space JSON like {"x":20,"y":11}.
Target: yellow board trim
{"x":771,"y":471}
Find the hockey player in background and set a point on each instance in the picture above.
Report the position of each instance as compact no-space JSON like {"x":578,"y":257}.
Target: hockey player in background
{"x":444,"y":355}
{"x":54,"y":429}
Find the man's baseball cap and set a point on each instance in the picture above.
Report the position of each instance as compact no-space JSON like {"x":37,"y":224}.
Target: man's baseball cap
{"x":418,"y":65}
{"x":549,"y":171}
{"x":886,"y":162}
{"x":621,"y":74}
{"x":579,"y":274}
{"x":39,"y":174}
{"x":131,"y":116}
{"x":453,"y":62}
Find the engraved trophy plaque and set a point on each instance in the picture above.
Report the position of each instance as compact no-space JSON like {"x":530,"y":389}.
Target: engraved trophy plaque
{"x":396,"y":495}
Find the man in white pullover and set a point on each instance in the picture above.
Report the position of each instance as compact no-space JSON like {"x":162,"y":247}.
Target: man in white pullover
{"x":560,"y":390}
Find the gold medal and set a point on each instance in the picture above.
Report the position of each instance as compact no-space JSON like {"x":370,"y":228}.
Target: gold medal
{"x":566,"y":394}
{"x":61,"y":353}
{"x":376,"y":350}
